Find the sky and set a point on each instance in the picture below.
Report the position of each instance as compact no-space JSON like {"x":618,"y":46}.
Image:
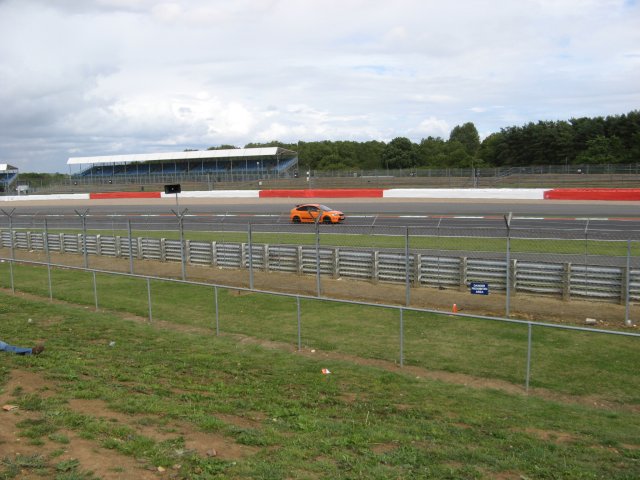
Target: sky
{"x":105,"y":77}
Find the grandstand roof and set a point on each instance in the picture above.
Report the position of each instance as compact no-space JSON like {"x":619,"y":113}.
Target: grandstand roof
{"x":5,"y":167}
{"x":198,"y":154}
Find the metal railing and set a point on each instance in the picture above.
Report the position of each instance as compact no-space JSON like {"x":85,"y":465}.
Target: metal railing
{"x":566,"y":276}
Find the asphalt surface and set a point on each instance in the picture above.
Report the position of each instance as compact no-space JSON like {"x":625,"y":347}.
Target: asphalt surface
{"x":535,"y":219}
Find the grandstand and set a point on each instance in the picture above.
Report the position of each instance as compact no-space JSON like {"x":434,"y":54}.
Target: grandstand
{"x":8,"y":176}
{"x":228,"y":165}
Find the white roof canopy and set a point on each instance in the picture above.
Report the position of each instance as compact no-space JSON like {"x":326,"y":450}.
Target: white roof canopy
{"x":5,"y":167}
{"x":192,"y":155}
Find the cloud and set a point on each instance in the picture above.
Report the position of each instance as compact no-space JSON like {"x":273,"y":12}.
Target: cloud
{"x":94,"y":77}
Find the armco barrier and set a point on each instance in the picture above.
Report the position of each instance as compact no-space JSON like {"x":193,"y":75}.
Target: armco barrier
{"x":566,"y":280}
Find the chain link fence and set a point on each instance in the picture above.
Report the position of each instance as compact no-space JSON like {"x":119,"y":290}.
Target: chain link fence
{"x":389,"y":264}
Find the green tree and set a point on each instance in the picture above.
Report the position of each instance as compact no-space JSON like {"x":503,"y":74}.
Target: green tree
{"x":601,"y":150}
{"x":399,"y":153}
{"x":431,"y":152}
{"x":467,"y":135}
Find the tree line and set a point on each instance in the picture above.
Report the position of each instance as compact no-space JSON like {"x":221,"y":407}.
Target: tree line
{"x":578,"y":141}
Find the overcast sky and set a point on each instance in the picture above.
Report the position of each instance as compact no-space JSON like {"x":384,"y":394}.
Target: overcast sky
{"x":103,"y":77}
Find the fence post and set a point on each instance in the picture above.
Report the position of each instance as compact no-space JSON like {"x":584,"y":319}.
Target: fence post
{"x":130,"y":247}
{"x":215,"y":299}
{"x":12,"y":239}
{"x":507,"y":220}
{"x":149,"y":299}
{"x":407,"y":268}
{"x":299,"y":323}
{"x":318,"y":284}
{"x":401,"y":337}
{"x":627,"y":286}
{"x":183,"y":258}
{"x":48,"y":254}
{"x":462,"y":284}
{"x":250,"y":256}
{"x":529,"y":335}
{"x":95,"y":289}
{"x":83,"y":216}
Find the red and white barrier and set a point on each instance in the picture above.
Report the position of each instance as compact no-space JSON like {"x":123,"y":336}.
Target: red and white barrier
{"x":594,"y":194}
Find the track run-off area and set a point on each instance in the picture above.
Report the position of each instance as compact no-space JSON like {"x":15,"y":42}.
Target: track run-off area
{"x":616,"y":210}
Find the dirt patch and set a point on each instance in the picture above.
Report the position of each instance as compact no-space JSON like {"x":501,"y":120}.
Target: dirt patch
{"x":107,"y":463}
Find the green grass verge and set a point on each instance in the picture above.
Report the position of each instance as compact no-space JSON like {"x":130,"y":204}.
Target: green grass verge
{"x":358,"y":422}
{"x":576,"y":363}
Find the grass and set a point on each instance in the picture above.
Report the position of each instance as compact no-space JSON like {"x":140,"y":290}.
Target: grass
{"x":358,"y":422}
{"x":480,"y":348}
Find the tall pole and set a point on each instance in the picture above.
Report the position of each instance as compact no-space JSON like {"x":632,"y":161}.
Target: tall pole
{"x":180,"y":217}
{"x":318,"y":255}
{"x":10,"y":215}
{"x":507,"y":221}
{"x":407,"y":267}
{"x":84,"y":236}
{"x":627,"y":320}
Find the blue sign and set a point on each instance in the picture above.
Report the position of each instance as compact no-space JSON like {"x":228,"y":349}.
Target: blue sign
{"x":479,"y":288}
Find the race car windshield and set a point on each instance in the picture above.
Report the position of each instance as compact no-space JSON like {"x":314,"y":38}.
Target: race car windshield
{"x":325,"y":208}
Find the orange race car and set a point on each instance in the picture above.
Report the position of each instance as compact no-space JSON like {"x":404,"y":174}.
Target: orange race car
{"x":309,"y":212}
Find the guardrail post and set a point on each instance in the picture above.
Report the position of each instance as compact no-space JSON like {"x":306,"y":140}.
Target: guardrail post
{"x":417,"y":269}
{"x":243,"y":255}
{"x":375,"y":267}
{"x":566,"y":282}
{"x":163,"y":249}
{"x":299,"y":258}
{"x":214,"y":254}
{"x":513,"y":276}
{"x":335,"y":263}
{"x":265,"y":253}
{"x":462,"y":281}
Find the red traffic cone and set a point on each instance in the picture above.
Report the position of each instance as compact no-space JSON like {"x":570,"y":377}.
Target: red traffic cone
{"x":454,"y":309}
